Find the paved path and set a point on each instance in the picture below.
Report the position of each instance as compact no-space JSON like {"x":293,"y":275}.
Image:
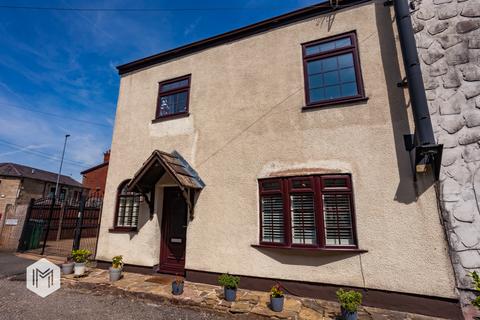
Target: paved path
{"x":11,"y":265}
{"x":16,"y":302}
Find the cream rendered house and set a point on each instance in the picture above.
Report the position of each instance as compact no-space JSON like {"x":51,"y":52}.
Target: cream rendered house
{"x":276,"y":152}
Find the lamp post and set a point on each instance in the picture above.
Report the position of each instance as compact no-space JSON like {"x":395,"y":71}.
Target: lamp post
{"x":61,"y":164}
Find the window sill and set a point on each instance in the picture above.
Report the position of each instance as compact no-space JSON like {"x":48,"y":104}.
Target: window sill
{"x":310,"y":249}
{"x":171,"y":117}
{"x":123,"y":230}
{"x":333,"y":103}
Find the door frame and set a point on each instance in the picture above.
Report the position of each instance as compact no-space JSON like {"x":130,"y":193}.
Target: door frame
{"x":166,"y":267}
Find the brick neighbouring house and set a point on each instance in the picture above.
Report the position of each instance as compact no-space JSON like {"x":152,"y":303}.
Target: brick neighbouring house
{"x":19,"y":184}
{"x":94,"y":178}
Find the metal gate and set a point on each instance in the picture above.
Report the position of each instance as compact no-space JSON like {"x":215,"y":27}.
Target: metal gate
{"x":56,"y":226}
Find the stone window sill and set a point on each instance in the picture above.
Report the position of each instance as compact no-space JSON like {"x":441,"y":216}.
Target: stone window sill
{"x":123,"y":230}
{"x":310,"y":249}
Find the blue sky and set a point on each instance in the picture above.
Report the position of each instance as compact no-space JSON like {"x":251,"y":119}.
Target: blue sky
{"x":62,"y":63}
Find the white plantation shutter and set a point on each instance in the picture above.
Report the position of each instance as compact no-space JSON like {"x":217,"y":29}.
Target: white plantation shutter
{"x":307,"y":211}
{"x":337,"y":214}
{"x":303,"y":218}
{"x":273,"y":229}
{"x":128,"y":207}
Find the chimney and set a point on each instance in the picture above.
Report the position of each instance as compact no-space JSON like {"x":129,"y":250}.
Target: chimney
{"x":106,"y":156}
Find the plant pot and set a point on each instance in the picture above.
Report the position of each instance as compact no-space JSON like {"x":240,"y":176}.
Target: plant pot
{"x":79,"y":268}
{"x":67,"y":268}
{"x":115,"y":273}
{"x":277,"y":303}
{"x":177,"y":288}
{"x":348,"y":315}
{"x":229,"y":294}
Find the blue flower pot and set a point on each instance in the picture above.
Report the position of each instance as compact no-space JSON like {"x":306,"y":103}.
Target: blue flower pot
{"x":177,"y":288}
{"x":347,"y":315}
{"x":276,"y":303}
{"x":230,"y":294}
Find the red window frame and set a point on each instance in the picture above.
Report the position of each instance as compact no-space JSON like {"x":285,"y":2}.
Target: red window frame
{"x":116,"y":227}
{"x":318,"y":186}
{"x":353,"y":48}
{"x":161,"y":94}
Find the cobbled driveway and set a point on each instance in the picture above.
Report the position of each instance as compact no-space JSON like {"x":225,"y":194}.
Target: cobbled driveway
{"x":16,"y":302}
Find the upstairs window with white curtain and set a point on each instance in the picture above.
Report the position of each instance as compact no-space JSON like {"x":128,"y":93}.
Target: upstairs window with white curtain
{"x":311,"y":211}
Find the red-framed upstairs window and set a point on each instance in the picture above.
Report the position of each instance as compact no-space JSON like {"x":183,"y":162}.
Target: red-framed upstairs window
{"x":309,"y":211}
{"x":332,"y":71}
{"x":173,"y":97}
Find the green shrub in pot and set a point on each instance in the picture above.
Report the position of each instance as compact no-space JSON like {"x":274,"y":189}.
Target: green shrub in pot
{"x":115,"y":271}
{"x":80,"y":257}
{"x":230,"y":284}
{"x":349,"y":302}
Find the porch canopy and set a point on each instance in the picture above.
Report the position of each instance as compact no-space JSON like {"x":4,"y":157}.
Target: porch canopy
{"x":173,"y":164}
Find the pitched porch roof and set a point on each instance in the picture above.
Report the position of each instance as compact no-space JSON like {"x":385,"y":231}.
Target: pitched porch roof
{"x":160,"y":163}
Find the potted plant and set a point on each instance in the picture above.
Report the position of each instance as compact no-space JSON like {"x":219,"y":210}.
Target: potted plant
{"x":67,"y":266}
{"x":230,"y":285}
{"x":177,"y":286}
{"x":115,"y":271}
{"x":80,"y":257}
{"x":276,"y":298}
{"x":476,"y":283}
{"x":349,"y":301}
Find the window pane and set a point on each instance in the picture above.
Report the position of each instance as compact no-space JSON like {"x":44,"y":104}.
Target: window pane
{"x":327,"y":46}
{"x":174,"y":103}
{"x":272,"y":219}
{"x":338,"y":219}
{"x":301,"y":183}
{"x":349,"y":89}
{"x":315,"y":81}
{"x":303,"y":218}
{"x":271,"y":185}
{"x":334,"y":183}
{"x":329,"y":64}
{"x":314,"y":67}
{"x":332,"y":92}
{"x":344,"y":42}
{"x":317,"y":95}
{"x":347,"y":74}
{"x":345,"y":60}
{"x":331,"y":78}
{"x":174,"y":85}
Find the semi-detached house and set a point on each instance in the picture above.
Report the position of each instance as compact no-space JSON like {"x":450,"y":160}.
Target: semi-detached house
{"x":276,"y":152}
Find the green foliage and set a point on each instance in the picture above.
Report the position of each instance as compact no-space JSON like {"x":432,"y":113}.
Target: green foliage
{"x":349,"y":300}
{"x":276,"y":291}
{"x":476,"y":282}
{"x":229,"y":281}
{"x":117,"y":262}
{"x":81,"y":255}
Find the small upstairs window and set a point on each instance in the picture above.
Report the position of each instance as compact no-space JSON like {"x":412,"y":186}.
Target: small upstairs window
{"x":332,"y":71}
{"x":173,"y":97}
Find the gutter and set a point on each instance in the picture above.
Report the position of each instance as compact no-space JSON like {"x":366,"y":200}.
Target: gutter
{"x":302,"y":14}
{"x":426,"y":155}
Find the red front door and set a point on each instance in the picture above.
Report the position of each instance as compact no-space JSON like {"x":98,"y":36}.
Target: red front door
{"x":174,"y":232}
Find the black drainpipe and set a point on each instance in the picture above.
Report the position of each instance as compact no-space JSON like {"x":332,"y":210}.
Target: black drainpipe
{"x":426,"y":153}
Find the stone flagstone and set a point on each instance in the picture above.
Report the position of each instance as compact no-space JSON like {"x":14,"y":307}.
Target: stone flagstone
{"x":254,"y":304}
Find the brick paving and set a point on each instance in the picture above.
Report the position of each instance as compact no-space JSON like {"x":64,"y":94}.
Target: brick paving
{"x":248,"y":303}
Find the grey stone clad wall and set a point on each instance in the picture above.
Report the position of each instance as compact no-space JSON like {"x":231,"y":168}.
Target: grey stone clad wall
{"x":448,"y":40}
